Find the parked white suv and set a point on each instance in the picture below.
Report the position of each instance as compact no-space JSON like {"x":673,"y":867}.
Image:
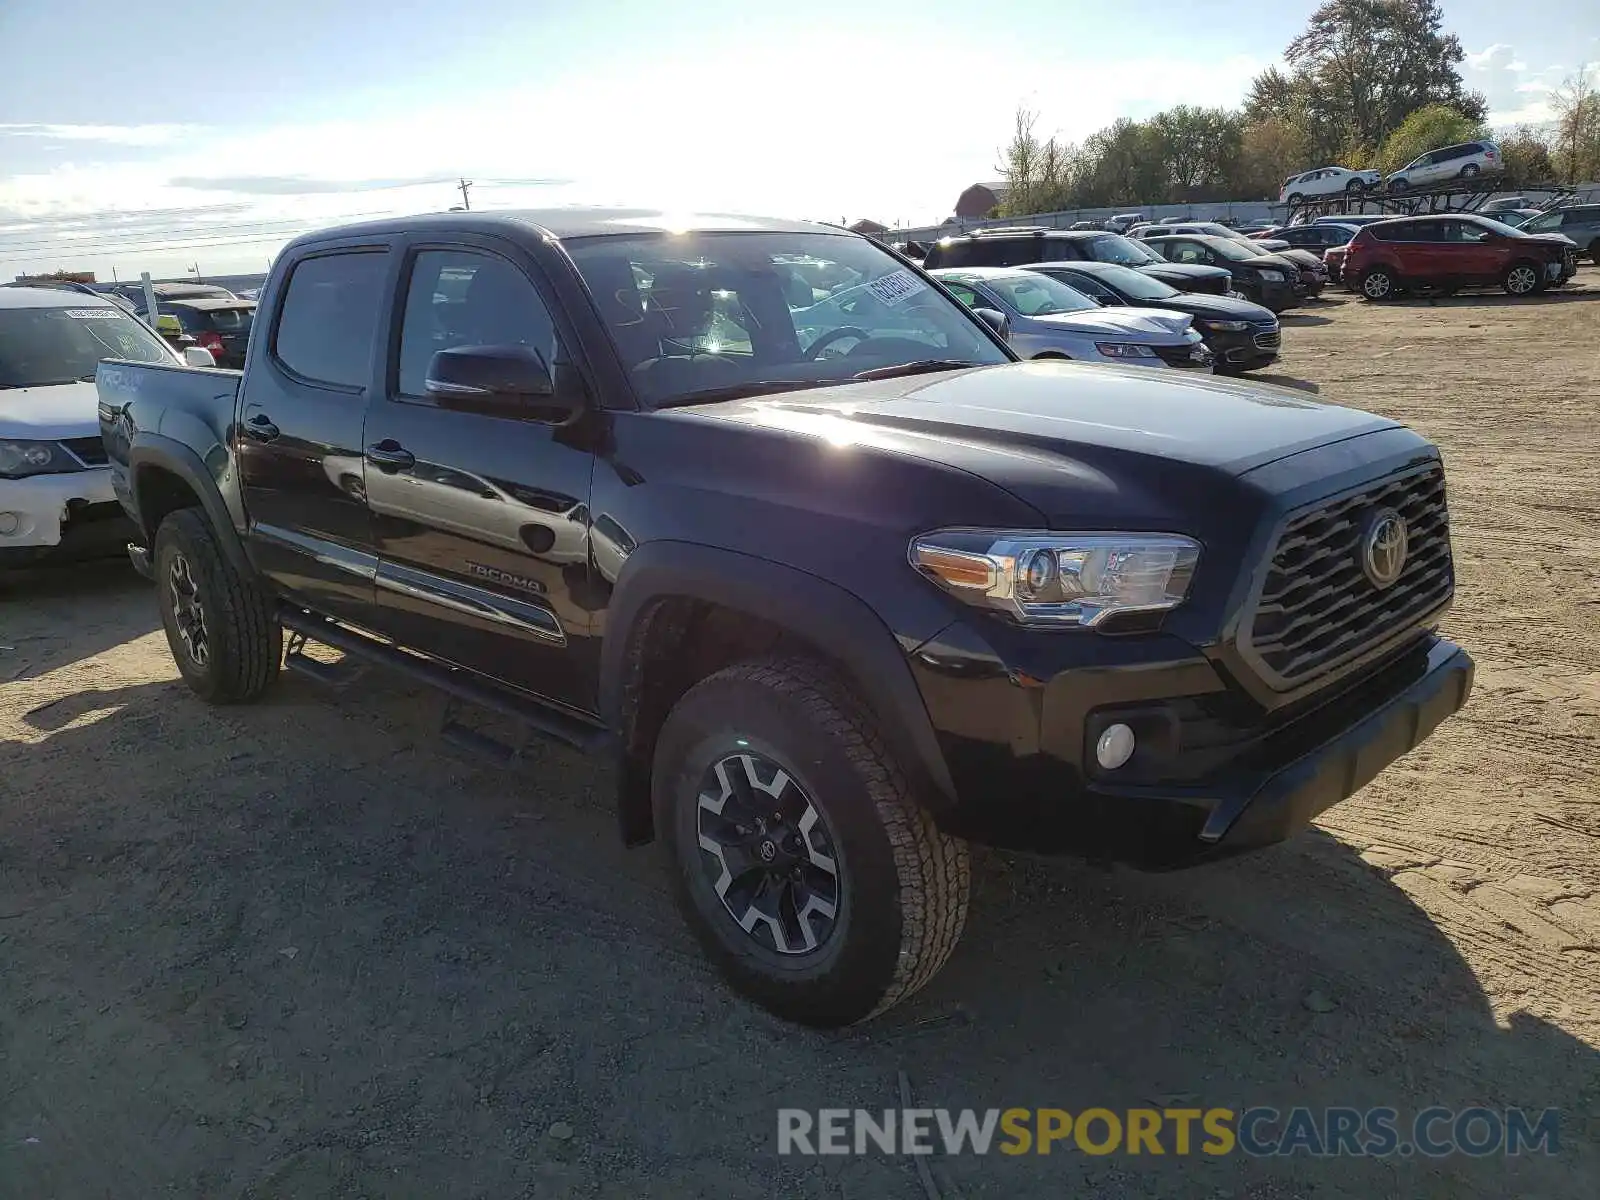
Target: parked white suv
{"x":1465,"y":161}
{"x":1326,"y":181}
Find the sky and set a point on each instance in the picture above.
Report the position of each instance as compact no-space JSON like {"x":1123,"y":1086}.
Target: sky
{"x":141,"y":138}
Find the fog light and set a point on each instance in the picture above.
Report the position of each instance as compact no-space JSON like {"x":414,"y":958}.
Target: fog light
{"x":1115,"y":747}
{"x":9,"y":524}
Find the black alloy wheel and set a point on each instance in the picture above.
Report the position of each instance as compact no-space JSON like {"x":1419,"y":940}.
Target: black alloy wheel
{"x":768,"y":854}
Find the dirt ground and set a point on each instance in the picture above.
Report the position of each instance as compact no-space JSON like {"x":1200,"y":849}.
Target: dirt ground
{"x":304,"y":950}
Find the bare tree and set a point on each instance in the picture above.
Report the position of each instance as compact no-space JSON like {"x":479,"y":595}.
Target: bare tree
{"x":1577,"y":136}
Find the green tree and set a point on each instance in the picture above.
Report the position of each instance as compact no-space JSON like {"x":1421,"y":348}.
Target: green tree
{"x":1526,"y":151}
{"x":1427,"y":129}
{"x":1359,"y":69}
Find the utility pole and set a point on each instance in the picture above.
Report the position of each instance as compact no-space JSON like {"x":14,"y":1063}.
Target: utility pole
{"x":462,"y":187}
{"x":195,"y":267}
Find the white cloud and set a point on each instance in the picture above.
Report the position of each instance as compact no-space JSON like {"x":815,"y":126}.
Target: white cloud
{"x":125,"y":135}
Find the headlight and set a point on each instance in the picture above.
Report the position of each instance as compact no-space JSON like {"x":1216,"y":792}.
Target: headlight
{"x":33,"y":458}
{"x":1228,"y":326}
{"x":1270,"y":275}
{"x":1124,"y":350}
{"x":1059,"y":579}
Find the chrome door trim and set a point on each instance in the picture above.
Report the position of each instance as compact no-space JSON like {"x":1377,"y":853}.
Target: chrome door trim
{"x":471,"y":601}
{"x":331,"y":554}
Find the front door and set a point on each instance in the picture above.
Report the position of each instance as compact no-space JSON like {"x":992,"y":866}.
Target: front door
{"x":481,"y":517}
{"x":298,"y":444}
{"x":1474,"y":253}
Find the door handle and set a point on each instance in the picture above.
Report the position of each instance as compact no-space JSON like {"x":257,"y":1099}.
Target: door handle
{"x":388,"y":455}
{"x":261,"y":428}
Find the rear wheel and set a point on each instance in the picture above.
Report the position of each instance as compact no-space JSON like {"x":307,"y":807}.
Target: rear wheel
{"x":810,"y":873}
{"x":1378,"y":284}
{"x":1521,"y":279}
{"x":219,"y":623}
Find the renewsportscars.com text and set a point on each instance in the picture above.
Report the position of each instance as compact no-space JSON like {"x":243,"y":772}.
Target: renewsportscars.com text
{"x":1259,"y":1131}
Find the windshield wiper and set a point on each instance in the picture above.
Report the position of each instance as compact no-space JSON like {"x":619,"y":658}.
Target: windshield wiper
{"x":921,"y":366}
{"x":740,"y":391}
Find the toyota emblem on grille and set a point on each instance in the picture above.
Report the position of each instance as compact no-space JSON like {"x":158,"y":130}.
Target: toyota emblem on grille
{"x":1383,"y":547}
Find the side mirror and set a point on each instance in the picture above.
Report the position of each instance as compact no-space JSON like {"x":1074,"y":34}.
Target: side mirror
{"x":198,"y":356}
{"x":505,"y":381}
{"x":995,"y":320}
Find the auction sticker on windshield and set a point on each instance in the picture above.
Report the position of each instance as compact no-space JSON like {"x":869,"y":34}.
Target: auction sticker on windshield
{"x":895,"y":287}
{"x":91,"y":314}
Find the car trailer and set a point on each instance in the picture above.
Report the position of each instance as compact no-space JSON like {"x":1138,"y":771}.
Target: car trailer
{"x":1452,"y":195}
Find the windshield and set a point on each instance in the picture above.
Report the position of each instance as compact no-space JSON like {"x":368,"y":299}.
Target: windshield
{"x":1126,"y":252}
{"x":44,"y":346}
{"x":1038,"y":295}
{"x":1235,"y":251}
{"x":1136,"y":284}
{"x":705,"y":312}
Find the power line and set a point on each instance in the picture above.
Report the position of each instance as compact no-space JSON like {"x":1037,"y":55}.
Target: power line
{"x":44,"y":256}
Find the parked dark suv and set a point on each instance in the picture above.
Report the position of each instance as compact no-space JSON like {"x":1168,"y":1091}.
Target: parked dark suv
{"x":1446,"y":252}
{"x":1580,"y":223}
{"x":1024,"y":246}
{"x":1270,"y":280}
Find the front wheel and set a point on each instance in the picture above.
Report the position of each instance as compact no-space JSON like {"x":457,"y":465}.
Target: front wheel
{"x":810,"y":873}
{"x":1470,"y":170}
{"x":219,"y":623}
{"x":1521,"y":279}
{"x":1378,"y":284}
{"x":1354,"y":186}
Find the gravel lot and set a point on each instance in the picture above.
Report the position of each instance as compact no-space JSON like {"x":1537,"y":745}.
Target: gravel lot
{"x":303,"y":949}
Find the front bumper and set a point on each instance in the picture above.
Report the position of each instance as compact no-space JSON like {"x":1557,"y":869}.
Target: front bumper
{"x":1244,"y":350}
{"x":69,"y":515}
{"x":1219,"y":777}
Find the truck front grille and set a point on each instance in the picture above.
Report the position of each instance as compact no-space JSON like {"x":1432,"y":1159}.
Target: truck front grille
{"x":1318,"y":605}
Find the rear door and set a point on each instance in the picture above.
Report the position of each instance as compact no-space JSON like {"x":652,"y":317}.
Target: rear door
{"x":481,"y":516}
{"x":298,"y":443}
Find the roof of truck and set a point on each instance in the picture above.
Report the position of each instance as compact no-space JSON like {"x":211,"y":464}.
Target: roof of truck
{"x":563,"y":223}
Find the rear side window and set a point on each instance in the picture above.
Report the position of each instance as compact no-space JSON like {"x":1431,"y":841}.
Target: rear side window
{"x":329,"y":319}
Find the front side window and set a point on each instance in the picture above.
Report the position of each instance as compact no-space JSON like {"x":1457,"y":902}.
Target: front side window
{"x":700,"y":313}
{"x":464,"y":298}
{"x":1187,"y":252}
{"x":1092,"y":288}
{"x":40,"y":347}
{"x":329,"y":318}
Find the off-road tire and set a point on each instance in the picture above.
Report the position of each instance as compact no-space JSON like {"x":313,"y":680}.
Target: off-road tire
{"x":904,"y":884}
{"x":244,"y":645}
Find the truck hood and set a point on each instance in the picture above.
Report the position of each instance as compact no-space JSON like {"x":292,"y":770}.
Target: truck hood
{"x":1067,"y":438}
{"x":1138,"y":323}
{"x":45,"y":414}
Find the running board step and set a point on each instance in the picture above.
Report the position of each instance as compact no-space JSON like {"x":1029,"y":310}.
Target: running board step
{"x":538,"y":718}
{"x":338,"y":676}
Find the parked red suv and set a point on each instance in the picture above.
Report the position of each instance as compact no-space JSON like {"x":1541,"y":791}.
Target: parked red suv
{"x":1446,"y":251}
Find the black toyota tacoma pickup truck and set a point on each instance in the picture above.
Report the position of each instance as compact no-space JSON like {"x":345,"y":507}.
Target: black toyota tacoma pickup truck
{"x":760,"y":513}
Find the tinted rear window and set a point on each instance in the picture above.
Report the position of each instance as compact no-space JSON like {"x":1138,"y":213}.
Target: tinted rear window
{"x":231,"y":320}
{"x":330,"y":317}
